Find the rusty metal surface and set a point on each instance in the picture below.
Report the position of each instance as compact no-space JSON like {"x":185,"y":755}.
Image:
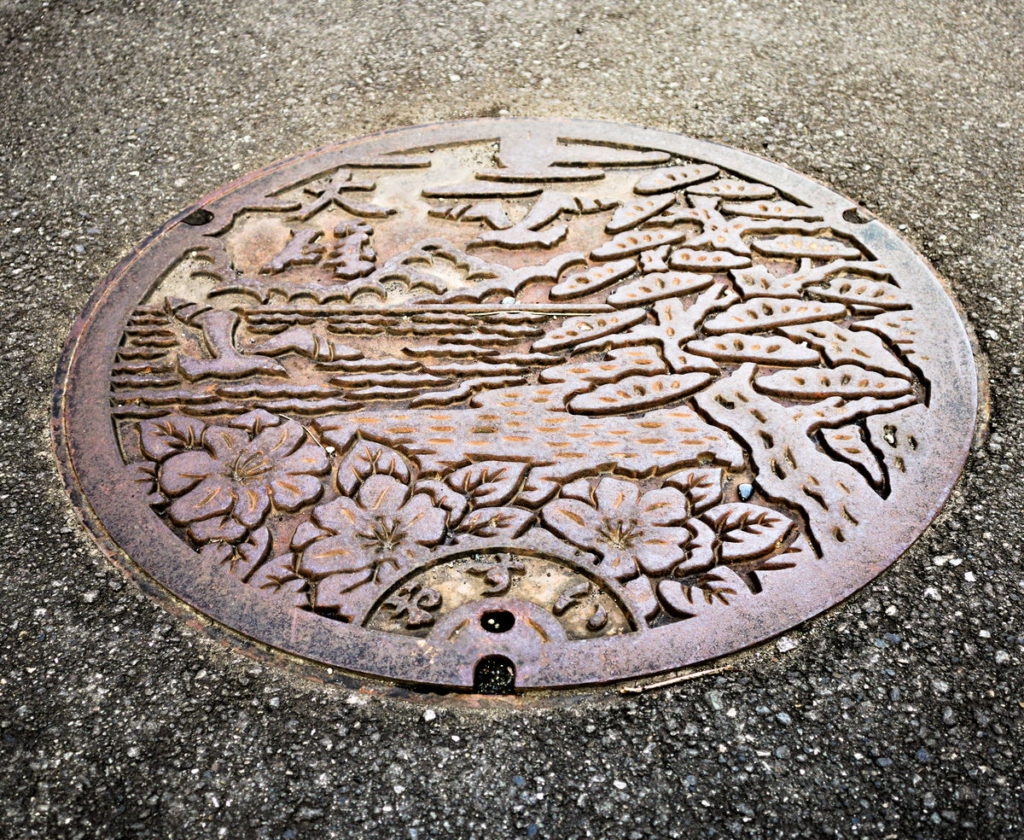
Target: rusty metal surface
{"x":515,"y":404}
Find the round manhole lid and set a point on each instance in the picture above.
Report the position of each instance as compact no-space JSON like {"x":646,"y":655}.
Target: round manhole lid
{"x":516,"y":403}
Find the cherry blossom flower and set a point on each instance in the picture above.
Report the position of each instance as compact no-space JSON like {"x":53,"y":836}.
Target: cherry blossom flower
{"x":366,"y":539}
{"x":238,"y":470}
{"x":633,"y":532}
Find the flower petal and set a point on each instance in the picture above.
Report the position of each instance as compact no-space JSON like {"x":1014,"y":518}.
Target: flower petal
{"x":620,"y":563}
{"x":382,"y":494}
{"x":663,"y":506}
{"x":424,"y":519}
{"x":291,"y":492}
{"x":251,"y":505}
{"x":211,"y":497}
{"x":350,"y":593}
{"x":572,"y":520}
{"x":616,"y":498}
{"x":305,"y":534}
{"x":334,"y":554}
{"x":225,"y":444}
{"x":306,"y":460}
{"x":578,"y":489}
{"x":278,"y":442}
{"x":181,"y":472}
{"x":216,"y":553}
{"x":340,"y":516}
{"x":658,"y":550}
{"x":222,"y":528}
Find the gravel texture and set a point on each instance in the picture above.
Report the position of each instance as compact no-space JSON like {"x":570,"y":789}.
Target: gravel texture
{"x":899,"y":714}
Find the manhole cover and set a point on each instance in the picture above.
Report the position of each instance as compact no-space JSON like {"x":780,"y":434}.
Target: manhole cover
{"x":515,"y":404}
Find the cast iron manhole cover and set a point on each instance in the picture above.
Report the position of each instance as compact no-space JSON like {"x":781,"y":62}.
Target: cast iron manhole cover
{"x":532,"y":402}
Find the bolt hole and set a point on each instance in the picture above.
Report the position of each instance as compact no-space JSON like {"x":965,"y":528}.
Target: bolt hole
{"x":855,"y":217}
{"x":494,"y":675}
{"x":198,"y":218}
{"x":497,"y":621}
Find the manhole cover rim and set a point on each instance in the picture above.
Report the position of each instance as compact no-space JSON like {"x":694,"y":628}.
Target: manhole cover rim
{"x":598,"y":661}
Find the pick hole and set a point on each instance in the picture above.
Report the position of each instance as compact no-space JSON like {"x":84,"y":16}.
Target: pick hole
{"x":494,"y":675}
{"x":855,"y":217}
{"x":497,"y":621}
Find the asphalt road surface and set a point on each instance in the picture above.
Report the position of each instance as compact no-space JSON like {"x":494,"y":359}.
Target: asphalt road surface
{"x":897,"y":715}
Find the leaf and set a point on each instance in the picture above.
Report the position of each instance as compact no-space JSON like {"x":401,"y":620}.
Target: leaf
{"x":695,"y":596}
{"x":847,"y":381}
{"x":143,"y":474}
{"x":848,"y":444}
{"x":216,"y":530}
{"x":443,"y":496}
{"x":861,"y":291}
{"x":632,"y":214}
{"x":761,"y":349}
{"x":674,"y":178}
{"x":702,"y":487}
{"x":793,"y":245}
{"x":840,"y":345}
{"x":278,"y":577}
{"x":241,"y":559}
{"x":594,"y":279}
{"x":366,"y":458}
{"x":771,"y":210}
{"x":746,"y":530}
{"x":168,"y":435}
{"x":490,"y":522}
{"x":730,"y":188}
{"x":629,"y":243}
{"x":488,"y":483}
{"x":588,"y":327}
{"x":654,"y":260}
{"x":765,"y":313}
{"x":255,"y":421}
{"x":691,"y":259}
{"x":659,"y":285}
{"x":758,"y":281}
{"x":638,"y":392}
{"x":216,"y":553}
{"x":699,"y":549}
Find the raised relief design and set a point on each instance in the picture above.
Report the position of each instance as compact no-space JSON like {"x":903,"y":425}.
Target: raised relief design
{"x":697,"y":332}
{"x":605,"y":387}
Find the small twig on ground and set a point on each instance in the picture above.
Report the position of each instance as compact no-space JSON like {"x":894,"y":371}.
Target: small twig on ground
{"x":640,"y":689}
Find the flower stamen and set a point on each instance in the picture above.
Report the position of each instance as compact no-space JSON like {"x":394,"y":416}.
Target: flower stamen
{"x":618,"y":532}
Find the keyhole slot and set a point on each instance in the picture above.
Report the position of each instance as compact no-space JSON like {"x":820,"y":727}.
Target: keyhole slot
{"x":494,"y":675}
